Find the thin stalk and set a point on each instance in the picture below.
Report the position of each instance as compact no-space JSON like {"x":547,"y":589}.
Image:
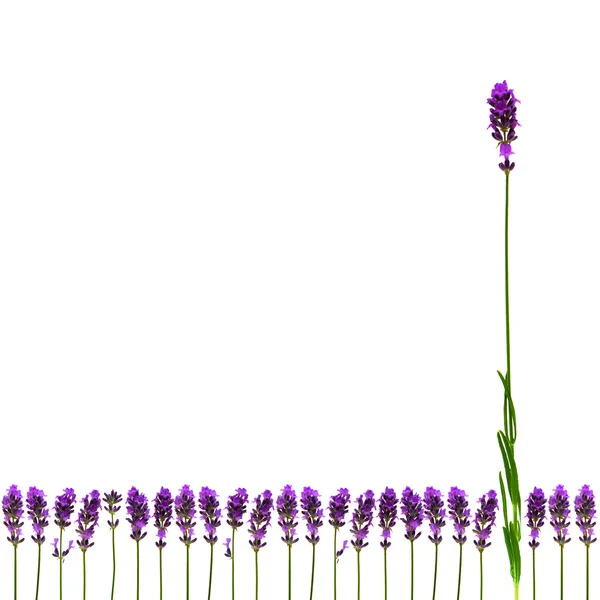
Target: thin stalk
{"x":112,"y":594}
{"x":187,"y":572}
{"x":412,"y":570}
{"x":435,"y":571}
{"x":533,"y":563}
{"x":256,"y":573}
{"x":232,"y":563}
{"x":289,"y":572}
{"x":335,"y":563}
{"x":160,"y":579}
{"x":358,"y":572}
{"x":15,"y":580}
{"x":385,"y":572}
{"x":480,"y":574}
{"x":312,"y":572}
{"x":84,"y":581}
{"x":37,"y":585}
{"x":561,"y":571}
{"x":587,"y":572}
{"x":60,"y":562}
{"x":506,"y":290}
{"x":210,"y":571}
{"x":459,"y":570}
{"x":137,"y":544}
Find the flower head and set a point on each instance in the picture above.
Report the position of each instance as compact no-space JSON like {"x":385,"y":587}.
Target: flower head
{"x":536,"y":513}
{"x":112,"y":500}
{"x":287,"y":509}
{"x":260,"y":519}
{"x":236,"y":507}
{"x":37,"y":513}
{"x":362,"y":518}
{"x":312,"y":513}
{"x":139,"y":514}
{"x":585,"y":509}
{"x":64,"y":506}
{"x":558,"y":507}
{"x":87,"y":519}
{"x":185,"y":509}
{"x":163,"y":513}
{"x":435,"y":512}
{"x":208,"y":507}
{"x":412,"y":510}
{"x":338,"y":507}
{"x":388,"y":513}
{"x":460,"y":513}
{"x":485,"y":517}
{"x":503,"y":120}
{"x":12,"y":507}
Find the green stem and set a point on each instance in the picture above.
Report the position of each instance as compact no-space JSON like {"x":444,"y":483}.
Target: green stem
{"x":160,"y":579}
{"x":385,"y":572}
{"x":533,"y":563}
{"x":84,"y":581}
{"x":312,"y":572}
{"x":289,"y":572}
{"x":506,"y":290}
{"x":358,"y":572}
{"x":112,"y":594}
{"x":60,"y":563}
{"x":561,"y":571}
{"x":37,"y":585}
{"x":587,"y":572}
{"x":480,"y":574}
{"x":256,"y":573}
{"x":232,"y":563}
{"x":15,"y":579}
{"x":210,"y":571}
{"x":459,"y":570}
{"x":412,"y":570}
{"x":187,"y":572}
{"x":137,"y":545}
{"x":435,"y":571}
{"x":335,"y":563}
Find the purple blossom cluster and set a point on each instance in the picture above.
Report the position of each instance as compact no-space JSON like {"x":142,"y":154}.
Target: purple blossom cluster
{"x":485,"y":518}
{"x":163,"y":514}
{"x":412,"y":511}
{"x":185,"y":509}
{"x":64,"y":506}
{"x":435,"y":512}
{"x":536,"y":513}
{"x":12,"y":508}
{"x":112,"y":500}
{"x":312,"y":513}
{"x":585,"y":510}
{"x":362,"y":518}
{"x":87,"y":519}
{"x":287,"y":509}
{"x":388,"y":514}
{"x":208,"y":507}
{"x":38,"y":513}
{"x":503,"y":120}
{"x":338,"y":507}
{"x":458,"y":509}
{"x":558,"y":507}
{"x":139,"y":514}
{"x":260,"y":519}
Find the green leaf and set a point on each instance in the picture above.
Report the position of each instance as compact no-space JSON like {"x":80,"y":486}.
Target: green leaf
{"x":503,"y":493}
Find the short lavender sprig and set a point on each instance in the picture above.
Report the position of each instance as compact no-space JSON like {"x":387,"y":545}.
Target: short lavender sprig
{"x":503,"y":120}
{"x":536,"y":513}
{"x":163,"y":514}
{"x":38,"y":513}
{"x":460,"y":513}
{"x":435,"y":512}
{"x":12,"y":507}
{"x":112,"y":501}
{"x":260,"y":519}
{"x":185,"y":509}
{"x":338,"y":507}
{"x":312,"y":513}
{"x":208,"y":507}
{"x":87,"y":520}
{"x":388,"y":514}
{"x":412,"y":511}
{"x":585,"y":510}
{"x":139,"y":516}
{"x":485,"y":518}
{"x":362,"y":518}
{"x":64,"y":506}
{"x":236,"y":507}
{"x":287,"y":510}
{"x":558,"y":507}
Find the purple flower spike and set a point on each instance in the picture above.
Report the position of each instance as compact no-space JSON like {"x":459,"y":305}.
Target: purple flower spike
{"x":312,"y":513}
{"x":163,"y":513}
{"x":87,"y":519}
{"x":503,"y":120}
{"x":64,"y":507}
{"x":362,"y":518}
{"x":435,"y":512}
{"x":388,"y":514}
{"x":139,"y":514}
{"x":208,"y":507}
{"x":185,"y":509}
{"x":536,"y":513}
{"x":260,"y":519}
{"x":236,"y":507}
{"x":558,"y":507}
{"x":338,"y":507}
{"x":460,"y":513}
{"x":12,"y":507}
{"x":412,"y":509}
{"x":112,"y":500}
{"x":485,"y":517}
{"x":287,"y":509}
{"x":585,"y":509}
{"x":37,"y":513}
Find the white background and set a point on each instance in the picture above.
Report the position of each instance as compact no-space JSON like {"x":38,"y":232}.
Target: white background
{"x":259,"y":243}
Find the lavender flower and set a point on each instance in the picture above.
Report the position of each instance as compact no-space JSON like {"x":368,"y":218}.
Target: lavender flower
{"x":260,"y":519}
{"x":64,"y":506}
{"x":236,"y":507}
{"x":208,"y":507}
{"x":388,"y":514}
{"x":412,"y":509}
{"x":536,"y":513}
{"x":362,"y":518}
{"x":585,"y":509}
{"x":485,"y":517}
{"x":287,"y":510}
{"x":558,"y":507}
{"x":435,"y":512}
{"x":112,"y":500}
{"x":12,"y":507}
{"x":312,"y":513}
{"x":338,"y":507}
{"x":503,"y":120}
{"x":37,"y":513}
{"x":87,"y":519}
{"x":185,"y":509}
{"x":460,"y":513}
{"x":139,"y":514}
{"x":163,"y":513}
